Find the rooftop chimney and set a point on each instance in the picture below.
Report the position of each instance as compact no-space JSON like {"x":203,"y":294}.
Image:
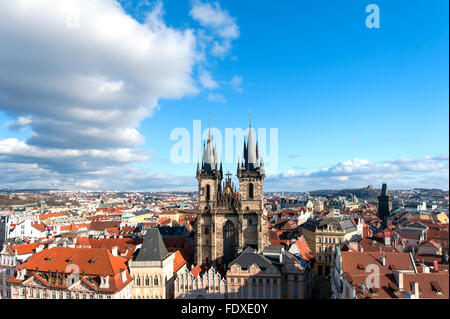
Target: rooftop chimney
{"x":435,"y":264}
{"x":415,"y":290}
{"x":399,"y":278}
{"x":114,"y":250}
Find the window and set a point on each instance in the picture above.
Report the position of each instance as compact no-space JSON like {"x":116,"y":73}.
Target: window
{"x":155,"y":281}
{"x":206,"y":230}
{"x":268,"y":281}
{"x":275,"y":281}
{"x":260,"y":281}
{"x":275,"y":293}
{"x":245,"y":291}
{"x":250,"y":190}
{"x":253,"y":292}
{"x":208,"y":192}
{"x":267,"y":293}
{"x":260,"y":293}
{"x":68,"y":295}
{"x":295,"y":291}
{"x":147,"y":281}
{"x":254,"y":281}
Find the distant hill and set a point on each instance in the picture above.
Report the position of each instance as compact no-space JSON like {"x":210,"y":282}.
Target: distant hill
{"x":366,"y":192}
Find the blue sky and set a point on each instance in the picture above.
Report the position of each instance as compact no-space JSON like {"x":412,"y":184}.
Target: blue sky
{"x":353,"y":106}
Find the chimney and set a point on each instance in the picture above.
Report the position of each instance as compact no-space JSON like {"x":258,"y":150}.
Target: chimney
{"x":383,"y":260}
{"x":399,"y":278}
{"x":415,"y":290}
{"x":114,"y":250}
{"x":387,"y":240}
{"x":435,"y":264}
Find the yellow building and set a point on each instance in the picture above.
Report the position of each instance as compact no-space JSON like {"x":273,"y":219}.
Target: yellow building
{"x":142,"y":216}
{"x":322,"y":236}
{"x":441,"y":217}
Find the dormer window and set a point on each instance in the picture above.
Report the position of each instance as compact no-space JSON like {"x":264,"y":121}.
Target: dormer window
{"x":92,"y":260}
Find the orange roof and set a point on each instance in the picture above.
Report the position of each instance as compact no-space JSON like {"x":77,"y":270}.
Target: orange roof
{"x":304,"y":249}
{"x":73,"y":226}
{"x":92,"y":261}
{"x":124,"y":245}
{"x":178,"y":261}
{"x":196,"y":271}
{"x":45,"y":216}
{"x":27,"y":248}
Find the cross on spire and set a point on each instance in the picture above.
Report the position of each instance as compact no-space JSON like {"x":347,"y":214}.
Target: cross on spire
{"x":228,"y":174}
{"x":250,"y":118}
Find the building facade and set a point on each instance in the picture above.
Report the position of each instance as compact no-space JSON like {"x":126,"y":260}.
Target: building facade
{"x":195,"y":285}
{"x":228,"y":220}
{"x":72,"y":273}
{"x":152,"y":268}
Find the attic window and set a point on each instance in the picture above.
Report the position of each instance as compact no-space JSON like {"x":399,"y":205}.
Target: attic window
{"x":48,"y":258}
{"x":361,"y":266}
{"x":92,"y":260}
{"x":69,"y":260}
{"x":436,"y":288}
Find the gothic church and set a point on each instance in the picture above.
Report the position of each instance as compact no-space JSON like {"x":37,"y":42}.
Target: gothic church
{"x":228,"y":220}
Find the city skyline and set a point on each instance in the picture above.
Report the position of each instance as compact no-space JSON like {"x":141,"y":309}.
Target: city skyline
{"x":353,"y":106}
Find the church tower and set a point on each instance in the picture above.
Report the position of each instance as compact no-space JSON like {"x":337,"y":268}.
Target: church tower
{"x":209,"y":176}
{"x":228,"y":220}
{"x":384,"y":204}
{"x":251,"y":175}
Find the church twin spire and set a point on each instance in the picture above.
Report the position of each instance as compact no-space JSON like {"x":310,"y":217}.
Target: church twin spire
{"x":211,"y":166}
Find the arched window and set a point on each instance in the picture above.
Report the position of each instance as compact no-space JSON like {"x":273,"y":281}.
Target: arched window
{"x":208,"y":192}
{"x":147,"y":281}
{"x":138,"y":281}
{"x":155,"y":281}
{"x":250,"y":190}
{"x":206,"y":230}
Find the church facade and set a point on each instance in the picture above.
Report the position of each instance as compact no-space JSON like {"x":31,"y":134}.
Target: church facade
{"x":230,"y":220}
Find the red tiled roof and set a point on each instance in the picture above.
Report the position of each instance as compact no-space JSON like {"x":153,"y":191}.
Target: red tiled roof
{"x":196,"y":271}
{"x":45,"y":216}
{"x":178,"y":261}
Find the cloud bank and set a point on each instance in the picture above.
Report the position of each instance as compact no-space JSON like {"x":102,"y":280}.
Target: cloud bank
{"x":403,"y":173}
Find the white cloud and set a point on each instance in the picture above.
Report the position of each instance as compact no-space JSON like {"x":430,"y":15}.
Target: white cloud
{"x":402,"y":173}
{"x":219,"y":23}
{"x":216,"y":97}
{"x":108,"y":74}
{"x":207,"y":81}
{"x":236,"y":82}
{"x":82,"y":75}
{"x":20,"y":123}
